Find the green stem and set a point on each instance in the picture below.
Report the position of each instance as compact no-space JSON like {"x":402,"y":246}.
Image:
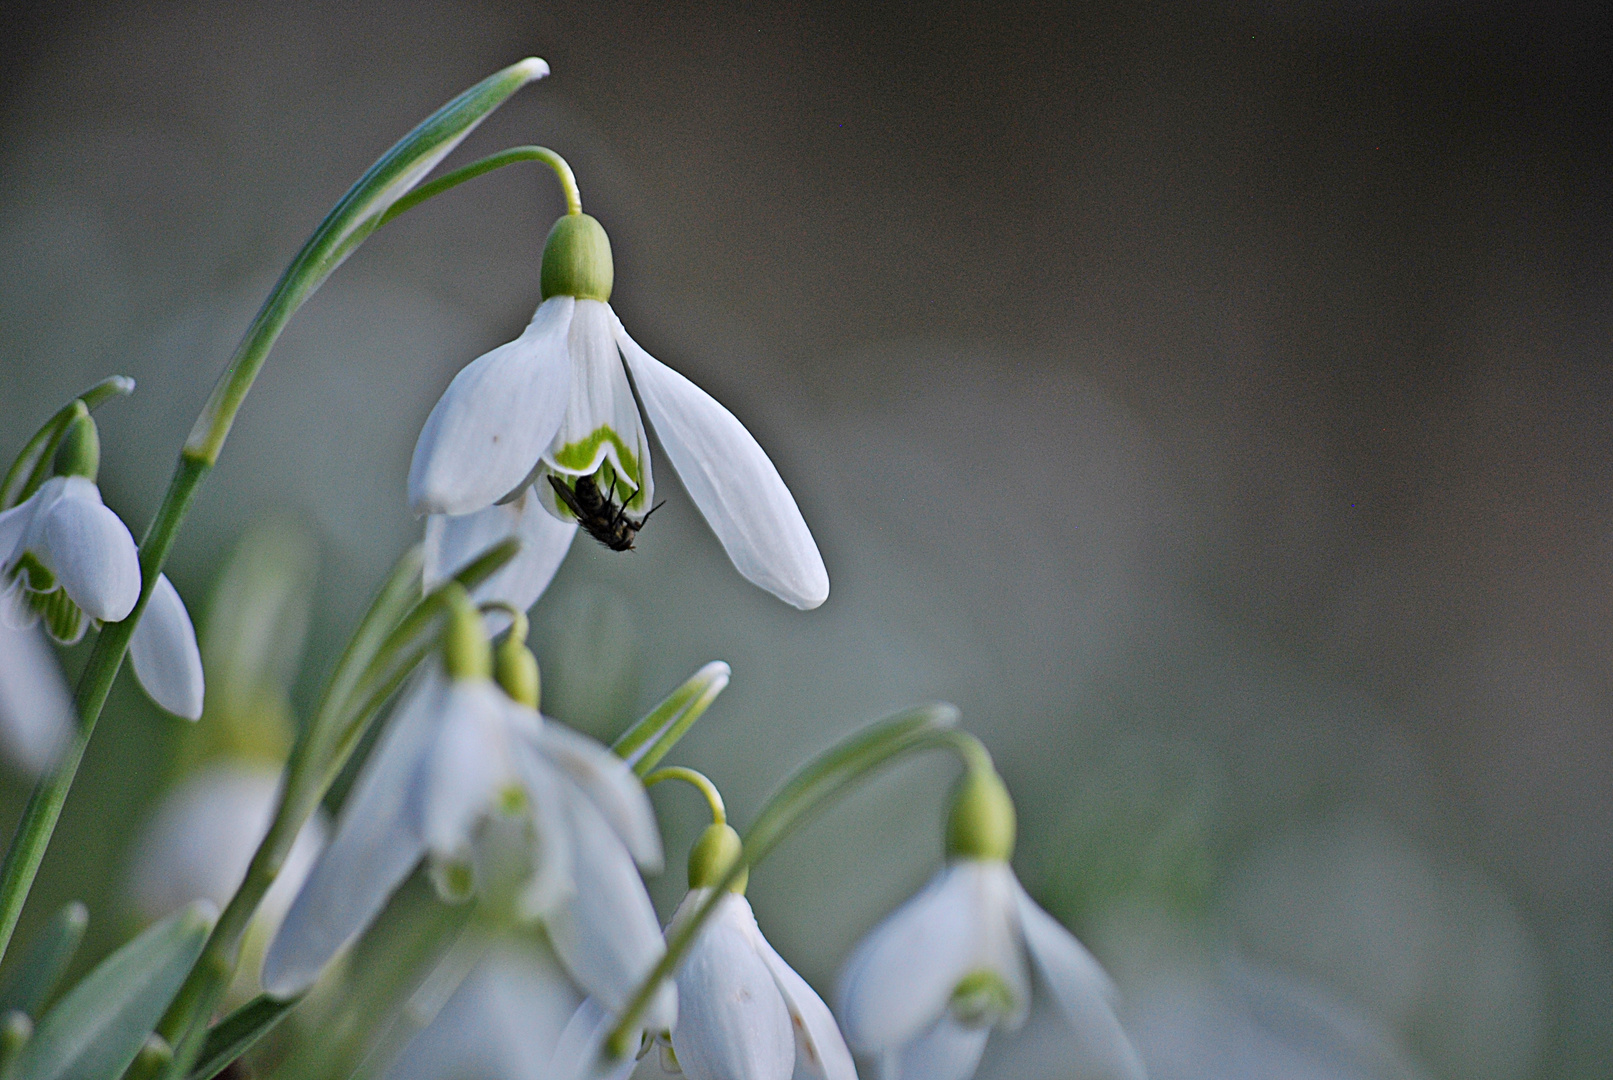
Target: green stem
{"x":698,"y":780}
{"x":568,"y":179}
{"x":32,"y":466}
{"x":354,"y":216}
{"x":812,"y":788}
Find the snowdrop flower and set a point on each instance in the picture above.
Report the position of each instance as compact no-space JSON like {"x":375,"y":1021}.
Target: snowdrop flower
{"x":743,"y":1013}
{"x":493,"y":797}
{"x":923,"y":990}
{"x":36,"y":708}
{"x":68,"y":561}
{"x":550,"y":418}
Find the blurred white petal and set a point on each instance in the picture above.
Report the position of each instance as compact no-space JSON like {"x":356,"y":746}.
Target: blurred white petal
{"x":36,"y":707}
{"x":452,"y":542}
{"x":901,"y":976}
{"x":611,"y":784}
{"x":91,"y":552}
{"x":163,"y":652}
{"x":577,"y":1053}
{"x":606,"y":932}
{"x":493,"y":422}
{"x":732,"y":481}
{"x":1081,"y":988}
{"x":948,"y":1051}
{"x":732,"y":1020}
{"x":375,"y":848}
{"x":460,"y":775}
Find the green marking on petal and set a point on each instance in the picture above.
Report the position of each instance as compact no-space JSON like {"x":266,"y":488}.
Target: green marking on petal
{"x":980,"y":998}
{"x":38,"y":576}
{"x":63,"y":619}
{"x":454,"y":879}
{"x":512,"y":800}
{"x":583,"y":457}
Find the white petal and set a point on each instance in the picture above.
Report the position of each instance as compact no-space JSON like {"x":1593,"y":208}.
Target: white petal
{"x":460,"y":776}
{"x":611,"y":784}
{"x":91,"y":552}
{"x":36,"y":708}
{"x":164,"y":653}
{"x":487,"y":431}
{"x":13,"y":524}
{"x":375,"y":848}
{"x":606,"y":932}
{"x":1082,"y":989}
{"x":600,"y":398}
{"x":900,"y":977}
{"x":732,"y":481}
{"x":732,"y":1021}
{"x":551,"y":881}
{"x":948,"y":1051}
{"x":453,"y":542}
{"x":577,"y":1052}
{"x":820,"y":1050}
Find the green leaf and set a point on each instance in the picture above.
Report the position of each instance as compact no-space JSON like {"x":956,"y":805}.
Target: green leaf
{"x":645,"y":743}
{"x":94,"y":1032}
{"x":52,"y":949}
{"x":237,"y":1033}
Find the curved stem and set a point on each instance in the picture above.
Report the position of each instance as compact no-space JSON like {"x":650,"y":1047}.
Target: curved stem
{"x":562,"y":171}
{"x":32,"y":466}
{"x":823,"y":779}
{"x":699,"y":780}
{"x":519,"y":626}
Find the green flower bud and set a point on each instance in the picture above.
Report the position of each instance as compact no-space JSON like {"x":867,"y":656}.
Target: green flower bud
{"x":465,"y":649}
{"x":576,"y":260}
{"x":981,"y":823}
{"x":718,"y":848}
{"x":80,"y":451}
{"x":516,"y":670}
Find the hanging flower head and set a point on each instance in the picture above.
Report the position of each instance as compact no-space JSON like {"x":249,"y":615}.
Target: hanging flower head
{"x":68,"y":562}
{"x":923,"y":990}
{"x":496,"y":800}
{"x":551,"y":419}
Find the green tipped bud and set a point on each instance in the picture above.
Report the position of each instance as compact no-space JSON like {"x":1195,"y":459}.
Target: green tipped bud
{"x":466,"y":652}
{"x":576,"y":260}
{"x":981,"y":824}
{"x":718,"y":848}
{"x":80,"y":451}
{"x":517,"y":671}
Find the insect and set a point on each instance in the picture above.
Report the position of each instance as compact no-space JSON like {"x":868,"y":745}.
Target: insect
{"x":598,"y":512}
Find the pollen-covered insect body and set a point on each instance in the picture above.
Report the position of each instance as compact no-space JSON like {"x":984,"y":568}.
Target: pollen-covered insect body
{"x":598,"y":512}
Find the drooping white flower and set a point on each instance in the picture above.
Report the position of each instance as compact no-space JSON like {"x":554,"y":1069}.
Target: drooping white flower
{"x":36,"y":708}
{"x":555,"y":406}
{"x":923,"y":990}
{"x":68,"y":561}
{"x":743,"y":1013}
{"x":466,"y":778}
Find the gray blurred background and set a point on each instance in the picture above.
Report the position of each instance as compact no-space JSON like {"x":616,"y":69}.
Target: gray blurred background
{"x":1213,"y":402}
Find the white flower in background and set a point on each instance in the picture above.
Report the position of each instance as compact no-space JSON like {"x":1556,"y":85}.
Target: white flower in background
{"x":69,"y":561}
{"x":924,"y":989}
{"x":501,"y":1023}
{"x":36,"y":708}
{"x":453,"y":542}
{"x":197,"y":844}
{"x":743,"y":1013}
{"x":554,"y":406}
{"x":485,"y":789}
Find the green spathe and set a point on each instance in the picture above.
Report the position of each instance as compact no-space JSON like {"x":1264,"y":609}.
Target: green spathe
{"x":718,"y":848}
{"x":981,"y":823}
{"x":576,"y":260}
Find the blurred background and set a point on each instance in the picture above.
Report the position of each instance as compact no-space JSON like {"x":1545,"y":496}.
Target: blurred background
{"x":1212,"y":401}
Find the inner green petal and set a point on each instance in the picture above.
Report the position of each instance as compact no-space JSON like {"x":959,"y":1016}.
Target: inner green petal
{"x":980,"y":998}
{"x":579,"y":457}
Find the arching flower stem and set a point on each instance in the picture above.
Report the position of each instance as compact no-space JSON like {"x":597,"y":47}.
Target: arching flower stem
{"x":820,"y":782}
{"x":698,"y":780}
{"x":32,"y":466}
{"x":568,"y":179}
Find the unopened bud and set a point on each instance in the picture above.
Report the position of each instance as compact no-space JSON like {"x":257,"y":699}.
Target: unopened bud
{"x":718,"y":848}
{"x":576,"y":260}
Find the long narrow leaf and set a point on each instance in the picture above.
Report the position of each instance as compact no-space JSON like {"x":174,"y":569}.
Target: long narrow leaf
{"x":94,"y":1032}
{"x":30,"y":985}
{"x":238,"y":1032}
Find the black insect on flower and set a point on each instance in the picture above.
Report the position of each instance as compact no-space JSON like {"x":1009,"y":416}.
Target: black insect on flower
{"x":598,"y":512}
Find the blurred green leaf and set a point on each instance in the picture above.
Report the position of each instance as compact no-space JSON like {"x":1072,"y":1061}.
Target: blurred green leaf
{"x":96,"y":1030}
{"x":52,"y":949}
{"x":237,"y":1033}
